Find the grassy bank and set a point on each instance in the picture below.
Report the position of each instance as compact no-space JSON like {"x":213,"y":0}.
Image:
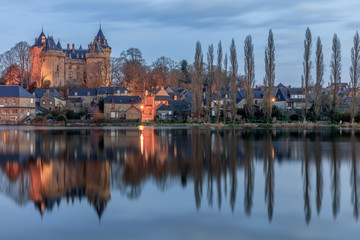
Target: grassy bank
{"x":203,"y":124}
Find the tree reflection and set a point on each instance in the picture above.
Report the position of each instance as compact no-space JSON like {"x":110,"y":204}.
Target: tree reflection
{"x":269,"y":173}
{"x":354,"y":178}
{"x":306,"y":182}
{"x":319,"y":175}
{"x":249,"y":173}
{"x":335,"y":181}
{"x":233,"y":177}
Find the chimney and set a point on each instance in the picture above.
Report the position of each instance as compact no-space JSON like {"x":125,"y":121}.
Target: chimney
{"x":68,"y":46}
{"x":73,"y":48}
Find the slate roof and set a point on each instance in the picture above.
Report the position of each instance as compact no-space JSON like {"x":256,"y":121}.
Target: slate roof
{"x":296,"y":91}
{"x":14,"y":91}
{"x":51,"y":45}
{"x":123,"y":99}
{"x":38,"y":40}
{"x":163,"y":107}
{"x":103,"y":41}
{"x":162,"y":98}
{"x":83,"y":92}
{"x":39,"y":92}
{"x":75,"y":100}
{"x":179,"y":106}
{"x":111,"y":90}
{"x":78,"y":54}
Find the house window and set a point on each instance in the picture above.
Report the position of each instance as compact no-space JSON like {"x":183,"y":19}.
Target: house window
{"x":13,"y":101}
{"x":43,"y":102}
{"x":5,"y":101}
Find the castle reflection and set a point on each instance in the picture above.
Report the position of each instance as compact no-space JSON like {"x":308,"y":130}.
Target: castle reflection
{"x":48,"y":166}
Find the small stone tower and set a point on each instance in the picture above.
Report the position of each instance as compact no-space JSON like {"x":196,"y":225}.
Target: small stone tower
{"x":35,"y":60}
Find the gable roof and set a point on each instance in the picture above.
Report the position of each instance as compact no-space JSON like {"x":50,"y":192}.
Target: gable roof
{"x":39,"y":92}
{"x":111,"y":90}
{"x":83,"y":92}
{"x":163,"y":107}
{"x":123,"y":99}
{"x":14,"y":91}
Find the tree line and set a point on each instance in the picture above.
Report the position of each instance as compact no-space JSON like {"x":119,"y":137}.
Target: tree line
{"x":216,"y":78}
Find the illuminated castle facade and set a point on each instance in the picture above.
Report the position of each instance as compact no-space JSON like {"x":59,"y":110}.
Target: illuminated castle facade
{"x":70,"y":67}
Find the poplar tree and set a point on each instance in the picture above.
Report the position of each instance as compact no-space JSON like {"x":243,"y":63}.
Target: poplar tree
{"x":306,"y":77}
{"x":335,"y":77}
{"x":269,"y":78}
{"x":319,"y":59}
{"x":225,"y":86}
{"x":218,"y":80}
{"x":233,"y":76}
{"x":354,"y":75}
{"x":249,"y":68}
{"x":197,"y":83}
{"x":210,"y":80}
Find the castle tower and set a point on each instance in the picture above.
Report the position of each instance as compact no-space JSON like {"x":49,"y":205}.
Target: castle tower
{"x":35,"y":62}
{"x":98,"y":62}
{"x":53,"y":64}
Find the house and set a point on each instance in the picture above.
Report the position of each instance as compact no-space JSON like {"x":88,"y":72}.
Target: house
{"x":164,"y":113}
{"x":88,"y":96}
{"x":75,"y":104}
{"x":16,"y":104}
{"x":103,"y":92}
{"x":180,"y":110}
{"x":49,"y":99}
{"x":122,"y":107}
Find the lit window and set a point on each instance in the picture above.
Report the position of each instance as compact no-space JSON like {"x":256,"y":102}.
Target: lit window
{"x":75,"y":94}
{"x":50,"y":102}
{"x":43,"y":102}
{"x":31,"y":100}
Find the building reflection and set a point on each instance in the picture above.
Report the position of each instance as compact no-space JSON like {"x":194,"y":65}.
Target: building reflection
{"x":49,"y":166}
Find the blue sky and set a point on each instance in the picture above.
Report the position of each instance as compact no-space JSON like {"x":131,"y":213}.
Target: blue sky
{"x":172,"y":27}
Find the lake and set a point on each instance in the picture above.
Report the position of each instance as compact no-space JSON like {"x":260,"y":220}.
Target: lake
{"x":179,"y":183}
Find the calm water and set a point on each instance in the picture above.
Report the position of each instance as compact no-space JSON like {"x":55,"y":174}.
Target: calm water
{"x":179,"y":183}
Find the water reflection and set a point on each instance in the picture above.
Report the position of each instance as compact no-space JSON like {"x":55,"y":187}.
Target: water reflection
{"x":49,"y":166}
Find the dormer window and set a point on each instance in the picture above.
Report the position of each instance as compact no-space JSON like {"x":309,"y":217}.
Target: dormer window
{"x":118,"y":91}
{"x":75,"y":93}
{"x":88,"y":93}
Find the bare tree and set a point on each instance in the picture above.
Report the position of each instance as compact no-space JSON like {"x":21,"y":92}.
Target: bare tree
{"x":249,"y":68}
{"x":135,"y":73}
{"x":319,"y":78}
{"x":197,"y":82}
{"x":218,"y":80}
{"x":354,"y":75}
{"x":210,"y":80}
{"x":161,"y":70}
{"x":225,"y":86}
{"x":22,"y":57}
{"x":307,"y":65}
{"x":233,"y":76}
{"x":335,"y":76}
{"x":269,"y":78}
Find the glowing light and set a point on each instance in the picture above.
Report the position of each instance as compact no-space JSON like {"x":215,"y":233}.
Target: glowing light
{"x":273,"y":99}
{"x":142,"y":144}
{"x":142,"y":107}
{"x":141,"y":127}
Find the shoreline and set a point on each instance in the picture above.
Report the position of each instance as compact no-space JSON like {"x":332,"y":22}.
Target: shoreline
{"x":309,"y":125}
